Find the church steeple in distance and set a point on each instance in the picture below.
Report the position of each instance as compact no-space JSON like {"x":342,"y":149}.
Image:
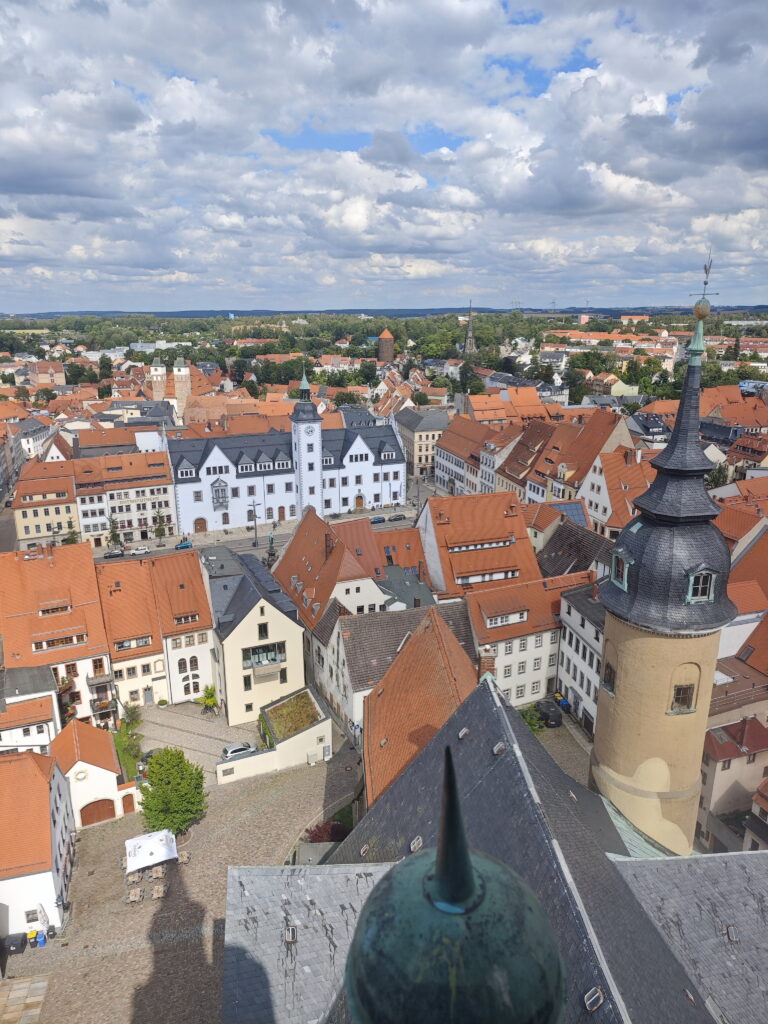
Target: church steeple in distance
{"x":469,"y":342}
{"x":666,"y":599}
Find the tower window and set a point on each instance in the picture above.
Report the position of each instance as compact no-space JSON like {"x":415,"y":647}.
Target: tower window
{"x":619,"y":570}
{"x":682,"y":699}
{"x":609,"y":677}
{"x":701,"y":587}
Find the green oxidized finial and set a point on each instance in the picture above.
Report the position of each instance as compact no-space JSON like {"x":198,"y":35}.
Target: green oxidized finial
{"x":453,"y":937}
{"x":304,"y":392}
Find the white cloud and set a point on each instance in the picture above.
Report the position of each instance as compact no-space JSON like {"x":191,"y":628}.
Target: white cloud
{"x":306,"y":152}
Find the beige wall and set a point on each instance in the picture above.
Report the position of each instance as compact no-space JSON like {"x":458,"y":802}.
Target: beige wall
{"x":646,"y":760}
{"x":265,"y":685}
{"x":731,"y":789}
{"x":126,"y":682}
{"x":299,"y":750}
{"x":52,"y":523}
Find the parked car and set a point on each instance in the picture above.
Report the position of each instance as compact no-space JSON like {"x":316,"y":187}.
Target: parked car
{"x":375,"y":520}
{"x":141,"y":550}
{"x":183,"y":545}
{"x":114,"y":553}
{"x":232,"y":749}
{"x":397,"y":518}
{"x":549,"y":713}
{"x":9,"y":503}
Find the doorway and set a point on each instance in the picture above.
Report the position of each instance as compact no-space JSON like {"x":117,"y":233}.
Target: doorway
{"x":359,"y":503}
{"x":149,"y":695}
{"x":201,"y":526}
{"x":281,"y":514}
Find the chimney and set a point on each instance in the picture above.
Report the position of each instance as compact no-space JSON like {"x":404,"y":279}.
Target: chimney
{"x":638,"y":456}
{"x":328,"y":544}
{"x":594,"y":591}
{"x":486,"y":663}
{"x":628,"y":457}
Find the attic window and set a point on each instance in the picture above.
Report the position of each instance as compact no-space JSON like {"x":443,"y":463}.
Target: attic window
{"x":291,"y":933}
{"x":463,"y":733}
{"x":364,"y":849}
{"x":730,"y":931}
{"x":701,"y":588}
{"x":416,"y":844}
{"x":383,"y":742}
{"x":594,"y":999}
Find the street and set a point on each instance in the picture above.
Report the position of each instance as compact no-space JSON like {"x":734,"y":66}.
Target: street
{"x":7,"y":530}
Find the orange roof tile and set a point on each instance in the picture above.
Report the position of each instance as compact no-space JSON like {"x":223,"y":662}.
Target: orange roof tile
{"x":79,"y":741}
{"x":625,"y":478}
{"x":26,"y":712}
{"x":752,"y":564}
{"x":735,"y":522}
{"x":748,"y":596}
{"x":25,"y":814}
{"x":539,"y":599}
{"x":749,"y":736}
{"x":430,"y":677}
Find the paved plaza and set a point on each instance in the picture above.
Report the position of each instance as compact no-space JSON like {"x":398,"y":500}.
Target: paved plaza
{"x":159,"y":962}
{"x":569,"y":748}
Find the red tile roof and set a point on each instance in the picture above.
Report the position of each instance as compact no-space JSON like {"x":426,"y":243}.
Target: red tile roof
{"x":26,"y":712}
{"x":25,"y":814}
{"x":423,"y":686}
{"x":749,"y":736}
{"x":79,"y":741}
{"x":539,"y":600}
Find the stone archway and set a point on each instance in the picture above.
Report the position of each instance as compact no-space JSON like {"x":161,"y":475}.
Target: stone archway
{"x":201,"y":525}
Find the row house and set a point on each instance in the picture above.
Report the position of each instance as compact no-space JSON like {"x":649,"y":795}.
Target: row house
{"x":419,"y":431}
{"x":53,"y":632}
{"x":88,"y":498}
{"x":516,"y":631}
{"x":610,"y":487}
{"x":756,"y":823}
{"x":733,"y":765}
{"x":159,"y":628}
{"x":457,"y":455}
{"x":474,"y":542}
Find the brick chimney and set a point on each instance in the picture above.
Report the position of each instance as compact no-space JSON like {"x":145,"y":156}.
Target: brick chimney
{"x":486,"y":663}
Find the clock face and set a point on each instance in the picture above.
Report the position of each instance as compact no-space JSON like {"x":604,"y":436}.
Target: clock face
{"x":309,"y":431}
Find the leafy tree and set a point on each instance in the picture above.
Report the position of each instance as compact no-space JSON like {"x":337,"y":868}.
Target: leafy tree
{"x":420,"y":398}
{"x":114,"y":535}
{"x":718,"y":477}
{"x":105,"y":366}
{"x":70,"y":537}
{"x":346,"y":398}
{"x":173,"y":796}
{"x":159,"y":525}
{"x":105,"y":391}
{"x":44,"y":395}
{"x":21,"y":393}
{"x":132,"y":717}
{"x":367,"y":372}
{"x":7,"y":378}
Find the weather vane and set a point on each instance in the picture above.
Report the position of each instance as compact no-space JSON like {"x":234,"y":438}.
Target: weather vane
{"x":707,"y":272}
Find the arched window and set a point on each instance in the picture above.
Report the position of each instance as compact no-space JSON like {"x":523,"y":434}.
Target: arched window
{"x":182,"y":665}
{"x":193,"y":663}
{"x":619,"y":570}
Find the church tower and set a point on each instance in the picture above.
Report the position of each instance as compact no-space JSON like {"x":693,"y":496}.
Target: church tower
{"x":307,"y":439}
{"x":666,"y":600}
{"x":470,"y":348}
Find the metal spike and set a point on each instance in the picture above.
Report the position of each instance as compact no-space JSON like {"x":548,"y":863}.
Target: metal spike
{"x":454,"y":878}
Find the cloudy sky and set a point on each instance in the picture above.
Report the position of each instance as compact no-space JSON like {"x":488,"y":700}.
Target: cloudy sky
{"x":170,"y":154}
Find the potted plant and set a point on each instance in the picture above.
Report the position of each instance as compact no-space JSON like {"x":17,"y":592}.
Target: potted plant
{"x":162,"y":703}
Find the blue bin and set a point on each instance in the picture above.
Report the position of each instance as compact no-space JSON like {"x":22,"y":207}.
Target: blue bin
{"x":41,"y":938}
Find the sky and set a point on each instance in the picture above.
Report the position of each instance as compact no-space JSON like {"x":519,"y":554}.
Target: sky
{"x":307,"y":154}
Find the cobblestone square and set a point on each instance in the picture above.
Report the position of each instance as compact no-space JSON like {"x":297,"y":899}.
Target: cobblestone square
{"x":158,"y":962}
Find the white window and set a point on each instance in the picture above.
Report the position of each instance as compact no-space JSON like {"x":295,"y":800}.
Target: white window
{"x":520,"y":692}
{"x":509,"y":646}
{"x":553,"y":637}
{"x":536,"y":687}
{"x":539,"y":640}
{"x":523,"y":644}
{"x":552,"y":660}
{"x":521,"y":666}
{"x":536,"y":664}
{"x":507,"y":671}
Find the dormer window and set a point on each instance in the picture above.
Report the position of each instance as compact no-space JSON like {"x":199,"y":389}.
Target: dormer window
{"x":619,"y":570}
{"x":245,"y":467}
{"x":701,"y":587}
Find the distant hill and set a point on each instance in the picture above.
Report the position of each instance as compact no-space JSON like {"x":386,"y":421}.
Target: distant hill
{"x":394,"y":312}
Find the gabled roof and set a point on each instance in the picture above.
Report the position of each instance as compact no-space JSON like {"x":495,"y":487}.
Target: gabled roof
{"x":26,"y":712}
{"x":573,"y":548}
{"x":538,"y":599}
{"x":748,"y":736}
{"x":79,"y":741}
{"x":426,"y":682}
{"x":25,"y":814}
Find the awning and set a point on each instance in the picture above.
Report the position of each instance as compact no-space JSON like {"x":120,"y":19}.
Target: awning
{"x":148,"y":850}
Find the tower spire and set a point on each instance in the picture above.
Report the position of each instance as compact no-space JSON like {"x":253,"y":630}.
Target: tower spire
{"x":469,"y":343}
{"x":453,"y":882}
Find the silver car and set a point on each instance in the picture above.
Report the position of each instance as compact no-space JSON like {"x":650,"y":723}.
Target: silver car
{"x":232,"y":749}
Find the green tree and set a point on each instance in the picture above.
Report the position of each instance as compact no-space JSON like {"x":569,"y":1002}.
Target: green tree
{"x":718,"y":477}
{"x":70,"y":537}
{"x":208,"y":700}
{"x":114,"y":536}
{"x":159,"y":525}
{"x":346,"y":398}
{"x":420,"y":398}
{"x":173,"y":796}
{"x":105,"y":391}
{"x":44,"y":395}
{"x":105,"y":366}
{"x":21,"y":393}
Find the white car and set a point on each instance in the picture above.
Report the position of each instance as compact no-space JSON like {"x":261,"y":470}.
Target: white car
{"x":233,"y":749}
{"x":143,"y":550}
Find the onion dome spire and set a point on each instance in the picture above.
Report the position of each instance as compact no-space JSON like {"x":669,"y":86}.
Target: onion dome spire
{"x":453,"y":937}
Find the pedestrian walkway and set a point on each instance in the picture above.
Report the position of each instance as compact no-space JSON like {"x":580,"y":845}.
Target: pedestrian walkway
{"x":21,"y":1000}
{"x":200,"y":736}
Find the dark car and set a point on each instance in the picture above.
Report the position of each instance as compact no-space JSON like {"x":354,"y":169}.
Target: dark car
{"x":398,"y":518}
{"x":183,"y":545}
{"x":549,"y":713}
{"x":375,"y":520}
{"x":114,"y":554}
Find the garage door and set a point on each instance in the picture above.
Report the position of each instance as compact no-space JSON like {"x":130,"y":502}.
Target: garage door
{"x":99,"y":810}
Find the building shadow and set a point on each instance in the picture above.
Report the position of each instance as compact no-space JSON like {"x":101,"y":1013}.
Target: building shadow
{"x":184,"y":984}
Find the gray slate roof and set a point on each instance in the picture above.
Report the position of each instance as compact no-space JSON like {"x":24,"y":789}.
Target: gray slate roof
{"x":520,"y":808}
{"x":267,"y":979}
{"x":584,"y":601}
{"x":573,"y":548}
{"x":371,"y":642}
{"x":24,"y":682}
{"x":693,"y":901}
{"x":238,"y":583}
{"x":429,"y":419}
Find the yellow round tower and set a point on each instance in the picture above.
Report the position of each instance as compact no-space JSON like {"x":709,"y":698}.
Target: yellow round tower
{"x":666,"y":600}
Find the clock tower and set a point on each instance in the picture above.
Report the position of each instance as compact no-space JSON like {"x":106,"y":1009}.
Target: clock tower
{"x":307,"y":443}
{"x":666,"y":600}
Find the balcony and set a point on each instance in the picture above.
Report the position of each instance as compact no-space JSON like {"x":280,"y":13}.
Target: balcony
{"x":99,"y":679}
{"x":100,"y":707}
{"x":220,"y":502}
{"x":265,"y":668}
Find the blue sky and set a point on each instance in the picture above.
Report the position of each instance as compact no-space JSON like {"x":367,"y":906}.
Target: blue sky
{"x":346,"y":153}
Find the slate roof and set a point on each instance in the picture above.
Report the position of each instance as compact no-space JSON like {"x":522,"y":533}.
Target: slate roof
{"x":520,"y":808}
{"x":237,"y":584}
{"x":573,"y":548}
{"x":266,"y":978}
{"x":429,"y":419}
{"x":587,"y":603}
{"x":371,"y":642}
{"x":693,"y":901}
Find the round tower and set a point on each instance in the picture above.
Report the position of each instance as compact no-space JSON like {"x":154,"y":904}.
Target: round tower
{"x":307,"y":442}
{"x":666,"y":600}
